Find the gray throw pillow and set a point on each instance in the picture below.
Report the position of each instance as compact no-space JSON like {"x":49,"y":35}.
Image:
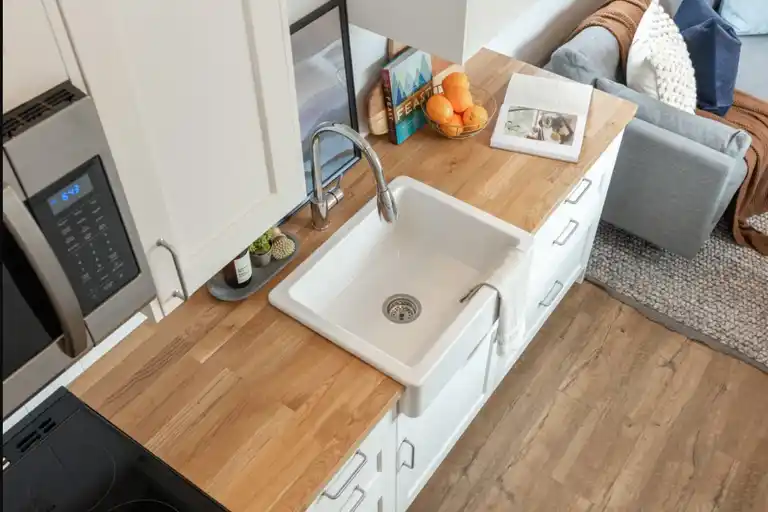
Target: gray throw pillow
{"x":718,"y":136}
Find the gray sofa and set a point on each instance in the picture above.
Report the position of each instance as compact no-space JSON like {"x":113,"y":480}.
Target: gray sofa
{"x":676,"y":173}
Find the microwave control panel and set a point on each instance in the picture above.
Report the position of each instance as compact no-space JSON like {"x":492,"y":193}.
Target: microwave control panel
{"x":81,"y":221}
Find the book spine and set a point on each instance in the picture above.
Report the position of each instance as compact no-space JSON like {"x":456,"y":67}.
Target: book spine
{"x":387,"y":84}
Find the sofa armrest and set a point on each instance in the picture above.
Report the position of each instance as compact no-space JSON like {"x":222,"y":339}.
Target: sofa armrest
{"x":593,"y":53}
{"x":668,"y":189}
{"x":714,"y":134}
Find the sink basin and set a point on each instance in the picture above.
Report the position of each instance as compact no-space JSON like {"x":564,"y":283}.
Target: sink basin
{"x":389,"y":293}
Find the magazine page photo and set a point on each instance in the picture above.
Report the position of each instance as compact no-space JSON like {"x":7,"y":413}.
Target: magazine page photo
{"x":542,"y":125}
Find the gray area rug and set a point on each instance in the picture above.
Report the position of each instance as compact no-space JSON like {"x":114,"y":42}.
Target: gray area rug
{"x":719,"y":298}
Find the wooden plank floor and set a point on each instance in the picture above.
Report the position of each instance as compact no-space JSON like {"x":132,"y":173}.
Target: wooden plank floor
{"x":610,"y":411}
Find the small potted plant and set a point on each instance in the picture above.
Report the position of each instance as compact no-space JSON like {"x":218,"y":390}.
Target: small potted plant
{"x":261,"y":249}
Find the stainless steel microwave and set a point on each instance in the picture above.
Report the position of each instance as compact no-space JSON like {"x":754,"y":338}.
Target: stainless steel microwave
{"x":73,"y":267}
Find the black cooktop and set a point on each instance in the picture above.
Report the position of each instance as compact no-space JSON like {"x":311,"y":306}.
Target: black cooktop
{"x":65,"y":457}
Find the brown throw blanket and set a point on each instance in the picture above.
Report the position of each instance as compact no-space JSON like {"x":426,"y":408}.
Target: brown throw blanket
{"x":621,"y":17}
{"x":750,"y":114}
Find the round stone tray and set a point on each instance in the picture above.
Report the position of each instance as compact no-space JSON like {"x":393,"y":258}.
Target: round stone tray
{"x":261,"y":276}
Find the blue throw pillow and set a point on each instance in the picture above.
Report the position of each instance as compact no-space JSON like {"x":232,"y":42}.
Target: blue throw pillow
{"x":715,"y":49}
{"x":748,"y":17}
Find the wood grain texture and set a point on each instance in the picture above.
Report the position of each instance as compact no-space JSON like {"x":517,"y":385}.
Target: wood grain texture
{"x":258,"y":410}
{"x":608,"y":411}
{"x":520,"y":189}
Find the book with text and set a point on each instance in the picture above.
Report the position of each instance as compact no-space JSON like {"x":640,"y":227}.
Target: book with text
{"x":407,"y":83}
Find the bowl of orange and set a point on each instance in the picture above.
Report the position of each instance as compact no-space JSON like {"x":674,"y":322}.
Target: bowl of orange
{"x":458,"y":110}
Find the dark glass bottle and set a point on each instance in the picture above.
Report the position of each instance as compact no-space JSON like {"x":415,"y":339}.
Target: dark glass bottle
{"x":238,"y":272}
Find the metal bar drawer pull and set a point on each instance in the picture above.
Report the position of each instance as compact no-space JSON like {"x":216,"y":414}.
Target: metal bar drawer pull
{"x":413,"y":455}
{"x":550,"y":297}
{"x":360,"y":500}
{"x":361,"y":464}
{"x":575,"y":225}
{"x":582,"y":192}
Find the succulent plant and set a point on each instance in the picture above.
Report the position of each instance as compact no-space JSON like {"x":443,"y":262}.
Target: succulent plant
{"x":261,"y":245}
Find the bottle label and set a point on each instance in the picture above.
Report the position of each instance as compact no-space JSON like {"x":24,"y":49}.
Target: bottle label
{"x":243,"y":269}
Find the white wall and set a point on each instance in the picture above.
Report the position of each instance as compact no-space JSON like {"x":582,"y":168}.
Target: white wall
{"x":541,"y":27}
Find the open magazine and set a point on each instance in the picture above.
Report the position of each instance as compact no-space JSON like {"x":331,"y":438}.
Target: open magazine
{"x":544,"y":117}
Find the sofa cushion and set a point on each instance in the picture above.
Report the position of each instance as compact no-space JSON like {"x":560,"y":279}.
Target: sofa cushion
{"x":748,"y":17}
{"x":710,"y":133}
{"x":714,"y":48}
{"x":753,"y":76}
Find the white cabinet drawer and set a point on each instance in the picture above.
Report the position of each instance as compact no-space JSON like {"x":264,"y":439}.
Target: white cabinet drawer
{"x":365,"y":498}
{"x":357,"y":474}
{"x":464,"y":27}
{"x":548,"y":294}
{"x":580,"y":208}
{"x":423,"y":442}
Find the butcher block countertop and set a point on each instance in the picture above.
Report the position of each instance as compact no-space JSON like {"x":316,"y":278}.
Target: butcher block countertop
{"x":258,"y":410}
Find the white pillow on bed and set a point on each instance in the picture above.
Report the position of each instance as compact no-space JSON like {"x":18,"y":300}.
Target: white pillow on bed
{"x":659,"y":64}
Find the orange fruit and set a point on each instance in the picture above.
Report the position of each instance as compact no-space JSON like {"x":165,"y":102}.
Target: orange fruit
{"x":456,"y":79}
{"x":453,"y":127}
{"x":475,"y":117}
{"x":459,"y":97}
{"x":439,"y":109}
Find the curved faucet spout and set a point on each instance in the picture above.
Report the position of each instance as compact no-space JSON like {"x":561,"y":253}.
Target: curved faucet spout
{"x":323,"y":201}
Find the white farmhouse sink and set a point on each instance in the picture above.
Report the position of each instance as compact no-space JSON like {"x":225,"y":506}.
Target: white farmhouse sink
{"x":436,"y":250}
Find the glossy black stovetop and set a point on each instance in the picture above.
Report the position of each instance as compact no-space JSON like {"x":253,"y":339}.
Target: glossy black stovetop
{"x":65,"y":457}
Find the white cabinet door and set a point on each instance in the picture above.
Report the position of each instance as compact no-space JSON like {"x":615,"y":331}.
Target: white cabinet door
{"x":31,"y":60}
{"x":424,"y":441}
{"x":198,"y":103}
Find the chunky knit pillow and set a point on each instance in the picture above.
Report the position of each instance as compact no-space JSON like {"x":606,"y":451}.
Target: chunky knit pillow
{"x":659,"y":64}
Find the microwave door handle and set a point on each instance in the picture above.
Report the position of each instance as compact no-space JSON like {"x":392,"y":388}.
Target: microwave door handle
{"x":48,"y":269}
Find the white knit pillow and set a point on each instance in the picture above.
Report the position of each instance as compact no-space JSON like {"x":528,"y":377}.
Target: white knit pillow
{"x":659,"y":64}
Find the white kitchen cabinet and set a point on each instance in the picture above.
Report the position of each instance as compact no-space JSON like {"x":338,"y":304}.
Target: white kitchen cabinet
{"x":424,"y":441}
{"x":560,"y":254}
{"x":453,"y":30}
{"x":366,"y":481}
{"x":395,"y":461}
{"x":556,"y":261}
{"x":32,"y":63}
{"x":198,"y":104}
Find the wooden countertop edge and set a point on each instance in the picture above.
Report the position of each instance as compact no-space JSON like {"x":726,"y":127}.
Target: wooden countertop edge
{"x":389,"y":405}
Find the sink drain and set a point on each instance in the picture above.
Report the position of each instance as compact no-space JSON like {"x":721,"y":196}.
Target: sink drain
{"x":402,"y":308}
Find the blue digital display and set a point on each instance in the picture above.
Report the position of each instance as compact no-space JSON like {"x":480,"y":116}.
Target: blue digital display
{"x":70,"y":194}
